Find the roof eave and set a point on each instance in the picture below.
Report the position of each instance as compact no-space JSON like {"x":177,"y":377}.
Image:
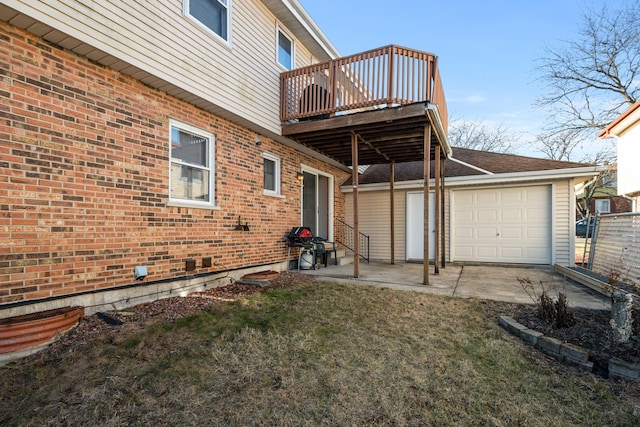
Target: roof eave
{"x":434,"y":115}
{"x":622,"y":123}
{"x":505,"y":178}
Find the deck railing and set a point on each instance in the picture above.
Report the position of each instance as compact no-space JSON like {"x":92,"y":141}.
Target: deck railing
{"x":383,"y":77}
{"x":346,"y":237}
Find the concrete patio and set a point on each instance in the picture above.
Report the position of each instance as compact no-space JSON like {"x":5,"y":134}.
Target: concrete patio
{"x":498,"y":283}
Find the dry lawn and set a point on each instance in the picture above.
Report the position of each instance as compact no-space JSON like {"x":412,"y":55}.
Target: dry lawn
{"x":315,"y":354}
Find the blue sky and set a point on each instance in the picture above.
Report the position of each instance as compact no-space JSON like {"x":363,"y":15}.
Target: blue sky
{"x":487,"y":49}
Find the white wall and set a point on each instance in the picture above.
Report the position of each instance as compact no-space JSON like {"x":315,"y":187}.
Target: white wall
{"x":629,"y":161}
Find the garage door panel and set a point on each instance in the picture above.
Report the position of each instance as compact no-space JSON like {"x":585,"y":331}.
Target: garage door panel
{"x":533,"y":213}
{"x":512,"y":196}
{"x":487,"y":252}
{"x":486,"y":197}
{"x":464,"y":233}
{"x":539,"y":233}
{"x":537,"y":253}
{"x":502,"y":225}
{"x":465,"y":216}
{"x":512,"y":233}
{"x":487,"y":215}
{"x":486,"y":233}
{"x":509,"y":253}
{"x":512,"y":215}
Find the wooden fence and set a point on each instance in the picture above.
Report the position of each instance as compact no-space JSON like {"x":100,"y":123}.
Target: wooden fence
{"x":616,"y":251}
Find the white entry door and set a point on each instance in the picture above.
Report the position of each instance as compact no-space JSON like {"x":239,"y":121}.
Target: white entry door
{"x":415,"y":229}
{"x":508,"y":225}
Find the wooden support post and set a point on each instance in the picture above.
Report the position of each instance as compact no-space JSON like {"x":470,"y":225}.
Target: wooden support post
{"x":356,"y":222}
{"x":442,"y":217}
{"x":436,"y":175}
{"x":392,"y":172}
{"x":426,"y":177}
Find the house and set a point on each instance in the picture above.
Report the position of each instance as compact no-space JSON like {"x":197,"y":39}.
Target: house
{"x":498,"y":208}
{"x":626,"y":129}
{"x":600,"y":195}
{"x":155,"y":148}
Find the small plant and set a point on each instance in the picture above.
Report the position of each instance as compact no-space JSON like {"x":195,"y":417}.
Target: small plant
{"x":556,"y":313}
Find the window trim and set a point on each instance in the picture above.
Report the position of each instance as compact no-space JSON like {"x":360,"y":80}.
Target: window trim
{"x":210,"y":161}
{"x":279,"y":31}
{"x":204,"y":27}
{"x":277,"y":175}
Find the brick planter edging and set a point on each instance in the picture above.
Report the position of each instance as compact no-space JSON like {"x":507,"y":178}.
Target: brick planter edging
{"x":566,"y":352}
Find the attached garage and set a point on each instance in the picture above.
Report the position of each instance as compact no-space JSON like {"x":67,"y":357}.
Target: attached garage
{"x":505,"y":225}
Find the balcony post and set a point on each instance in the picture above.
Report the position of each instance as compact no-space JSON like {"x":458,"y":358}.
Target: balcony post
{"x":392,"y":169}
{"x":436,"y":257}
{"x":356,"y":222}
{"x":442,"y":239}
{"x":426,"y":177}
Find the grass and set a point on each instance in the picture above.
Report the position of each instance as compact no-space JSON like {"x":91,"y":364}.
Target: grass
{"x":315,"y":354}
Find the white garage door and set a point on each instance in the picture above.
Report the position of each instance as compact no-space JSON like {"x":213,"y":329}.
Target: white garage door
{"x":510,"y":225}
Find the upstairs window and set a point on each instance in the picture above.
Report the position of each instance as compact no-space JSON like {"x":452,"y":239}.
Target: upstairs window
{"x":191,"y":175}
{"x":271,"y":174}
{"x":212,"y":14}
{"x":285,"y":50}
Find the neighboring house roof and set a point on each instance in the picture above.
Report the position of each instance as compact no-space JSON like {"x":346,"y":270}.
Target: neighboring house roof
{"x":479,"y":165}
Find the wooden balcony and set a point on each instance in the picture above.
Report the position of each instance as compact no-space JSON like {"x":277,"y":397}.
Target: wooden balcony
{"x":386,"y":96}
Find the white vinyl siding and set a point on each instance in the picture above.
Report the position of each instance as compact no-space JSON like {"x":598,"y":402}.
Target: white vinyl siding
{"x":241,"y":79}
{"x":564,"y":218}
{"x":374,"y":221}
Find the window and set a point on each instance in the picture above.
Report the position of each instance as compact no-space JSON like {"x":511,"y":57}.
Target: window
{"x":212,"y":14}
{"x":285,"y":50}
{"x":271,"y":174}
{"x":603,"y":206}
{"x":191,"y":176}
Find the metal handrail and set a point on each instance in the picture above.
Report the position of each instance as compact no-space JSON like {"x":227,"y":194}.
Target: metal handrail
{"x":383,"y":77}
{"x":345,"y":234}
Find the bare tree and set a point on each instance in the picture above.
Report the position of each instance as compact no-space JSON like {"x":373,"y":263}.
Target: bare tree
{"x":478,"y":136}
{"x":563,"y":146}
{"x":593,"y":79}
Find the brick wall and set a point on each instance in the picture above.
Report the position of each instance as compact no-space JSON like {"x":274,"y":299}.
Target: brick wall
{"x":84,"y":180}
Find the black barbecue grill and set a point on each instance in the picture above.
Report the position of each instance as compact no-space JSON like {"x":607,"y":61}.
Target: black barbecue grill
{"x":301,"y":238}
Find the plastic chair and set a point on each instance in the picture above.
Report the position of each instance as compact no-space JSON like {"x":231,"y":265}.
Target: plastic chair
{"x":322,"y":247}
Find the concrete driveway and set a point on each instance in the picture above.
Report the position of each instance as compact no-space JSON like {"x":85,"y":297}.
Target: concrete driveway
{"x":497,"y":283}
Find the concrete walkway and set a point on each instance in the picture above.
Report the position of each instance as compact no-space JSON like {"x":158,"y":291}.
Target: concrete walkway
{"x":497,"y":283}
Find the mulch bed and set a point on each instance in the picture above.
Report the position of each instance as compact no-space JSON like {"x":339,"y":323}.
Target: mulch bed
{"x":165,"y":310}
{"x":590,"y":331}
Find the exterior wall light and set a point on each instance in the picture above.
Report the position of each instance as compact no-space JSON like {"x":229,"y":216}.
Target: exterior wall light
{"x":300,"y":176}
